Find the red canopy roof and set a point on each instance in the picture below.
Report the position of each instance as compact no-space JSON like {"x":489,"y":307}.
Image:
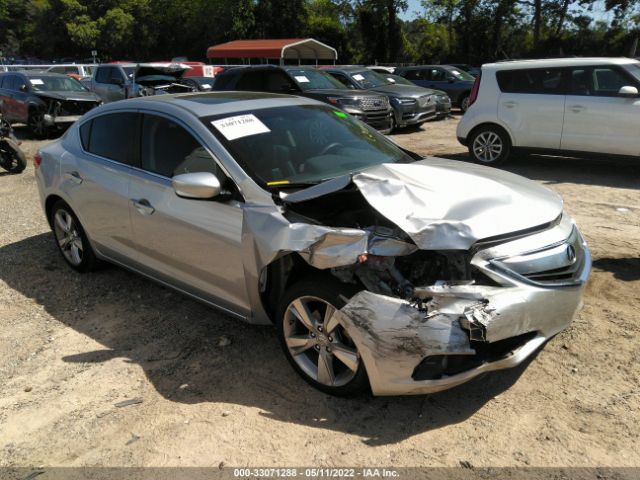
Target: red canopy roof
{"x":289,"y":48}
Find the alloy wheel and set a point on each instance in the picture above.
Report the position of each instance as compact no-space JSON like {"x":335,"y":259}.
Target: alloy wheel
{"x":68,"y":237}
{"x":487,"y":147}
{"x":318,"y":344}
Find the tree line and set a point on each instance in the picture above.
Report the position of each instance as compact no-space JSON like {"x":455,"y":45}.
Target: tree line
{"x":363,"y":31}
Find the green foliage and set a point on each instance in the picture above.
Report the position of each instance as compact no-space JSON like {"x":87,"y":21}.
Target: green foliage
{"x":363,"y":31}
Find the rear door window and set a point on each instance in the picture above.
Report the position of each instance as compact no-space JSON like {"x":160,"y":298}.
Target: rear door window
{"x":415,"y":74}
{"x":579,"y":82}
{"x":532,"y":81}
{"x":168,"y":149}
{"x":112,"y":136}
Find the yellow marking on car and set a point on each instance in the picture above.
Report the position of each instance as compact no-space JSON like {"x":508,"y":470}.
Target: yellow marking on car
{"x":278,"y":182}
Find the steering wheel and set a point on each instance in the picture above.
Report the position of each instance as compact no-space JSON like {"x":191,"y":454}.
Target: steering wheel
{"x":330,"y":147}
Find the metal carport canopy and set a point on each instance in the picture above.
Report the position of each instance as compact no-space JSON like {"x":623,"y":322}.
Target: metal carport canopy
{"x":282,"y":48}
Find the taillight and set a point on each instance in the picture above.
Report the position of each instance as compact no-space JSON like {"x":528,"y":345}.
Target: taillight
{"x":473,"y":96}
{"x":37,"y":160}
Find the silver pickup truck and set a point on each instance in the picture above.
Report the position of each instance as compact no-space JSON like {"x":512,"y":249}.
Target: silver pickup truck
{"x":118,"y":81}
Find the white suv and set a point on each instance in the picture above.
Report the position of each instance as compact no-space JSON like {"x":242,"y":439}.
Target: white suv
{"x":570,"y":107}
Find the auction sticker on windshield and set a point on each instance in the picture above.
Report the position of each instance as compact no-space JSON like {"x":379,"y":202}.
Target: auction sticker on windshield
{"x":358,"y":77}
{"x":240,"y":126}
{"x":301,"y":79}
{"x":36,"y":81}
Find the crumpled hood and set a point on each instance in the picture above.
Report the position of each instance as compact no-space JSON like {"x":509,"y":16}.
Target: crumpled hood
{"x":150,"y":70}
{"x":74,"y":96}
{"x":447,"y":204}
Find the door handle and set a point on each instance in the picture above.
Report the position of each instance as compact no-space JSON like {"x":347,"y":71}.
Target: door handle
{"x":577,"y":108}
{"x":74,"y":177}
{"x":510,"y":104}
{"x":143,"y":206}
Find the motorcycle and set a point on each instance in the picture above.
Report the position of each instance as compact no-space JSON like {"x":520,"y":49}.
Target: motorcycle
{"x":12,"y":158}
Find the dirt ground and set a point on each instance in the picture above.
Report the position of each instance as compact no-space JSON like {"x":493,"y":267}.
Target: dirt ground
{"x":72,"y":346}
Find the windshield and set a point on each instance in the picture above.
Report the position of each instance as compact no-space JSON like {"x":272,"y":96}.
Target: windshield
{"x":633,"y":69}
{"x":302,"y":144}
{"x":56,"y":84}
{"x":314,"y":79}
{"x":461,"y":74}
{"x":370,"y":79}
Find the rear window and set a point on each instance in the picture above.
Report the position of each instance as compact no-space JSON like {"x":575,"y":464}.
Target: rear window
{"x":111,"y":136}
{"x":532,"y":81}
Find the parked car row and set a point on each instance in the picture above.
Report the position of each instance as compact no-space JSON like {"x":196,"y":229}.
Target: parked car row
{"x":381,"y":101}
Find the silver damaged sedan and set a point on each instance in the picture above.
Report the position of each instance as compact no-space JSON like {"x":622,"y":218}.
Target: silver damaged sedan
{"x":379,"y":268}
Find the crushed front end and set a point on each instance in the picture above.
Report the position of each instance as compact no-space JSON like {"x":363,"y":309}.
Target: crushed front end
{"x":460,"y":269}
{"x":429,"y":321}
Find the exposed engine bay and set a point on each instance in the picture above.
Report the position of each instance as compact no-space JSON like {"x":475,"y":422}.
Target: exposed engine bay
{"x":157,"y":79}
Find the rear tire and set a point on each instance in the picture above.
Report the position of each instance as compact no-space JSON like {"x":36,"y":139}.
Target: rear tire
{"x":315,"y":344}
{"x":71,"y":239}
{"x":489,"y":145}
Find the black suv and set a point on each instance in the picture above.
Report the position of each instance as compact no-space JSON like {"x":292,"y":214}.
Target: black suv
{"x":371,"y":108}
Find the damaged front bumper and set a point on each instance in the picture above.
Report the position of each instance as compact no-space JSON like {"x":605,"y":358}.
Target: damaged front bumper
{"x":453,"y":333}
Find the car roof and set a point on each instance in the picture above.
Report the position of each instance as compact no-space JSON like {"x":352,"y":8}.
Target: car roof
{"x":212,"y":103}
{"x":558,"y":62}
{"x":38,"y":73}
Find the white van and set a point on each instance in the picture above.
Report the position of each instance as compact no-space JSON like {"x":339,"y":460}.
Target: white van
{"x":570,"y":106}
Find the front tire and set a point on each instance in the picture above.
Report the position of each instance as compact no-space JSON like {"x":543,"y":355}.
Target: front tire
{"x":37,"y":126}
{"x":314,"y":342}
{"x":489,"y":145}
{"x":71,"y":239}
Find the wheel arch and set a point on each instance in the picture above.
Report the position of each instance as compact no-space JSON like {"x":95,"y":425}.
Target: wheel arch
{"x":283,"y":272}
{"x":276,"y":277}
{"x":490,"y":124}
{"x":50,"y":201}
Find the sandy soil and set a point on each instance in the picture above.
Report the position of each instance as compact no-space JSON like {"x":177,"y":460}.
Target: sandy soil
{"x":72,"y":346}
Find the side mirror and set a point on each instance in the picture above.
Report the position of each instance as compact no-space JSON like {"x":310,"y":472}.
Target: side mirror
{"x":628,"y":91}
{"x":24,"y":87}
{"x":202,"y":185}
{"x":451,"y":79}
